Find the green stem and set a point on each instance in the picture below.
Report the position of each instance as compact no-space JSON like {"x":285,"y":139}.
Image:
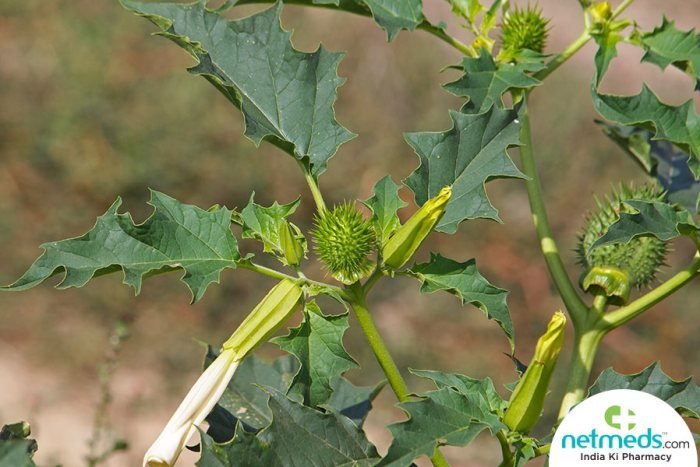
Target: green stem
{"x":381,"y":352}
{"x":622,"y":315}
{"x":265,"y":271}
{"x":575,"y":306}
{"x":565,"y":55}
{"x":313,"y":187}
{"x":505,"y":450}
{"x":586,"y":343}
{"x":440,"y":33}
{"x":620,"y":8}
{"x":576,"y":45}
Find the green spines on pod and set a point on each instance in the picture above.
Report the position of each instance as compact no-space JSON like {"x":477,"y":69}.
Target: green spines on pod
{"x":343,"y":239}
{"x":406,"y":240}
{"x":267,"y":316}
{"x":641,"y":257}
{"x":292,"y":247}
{"x":526,"y":402}
{"x":523,"y":29}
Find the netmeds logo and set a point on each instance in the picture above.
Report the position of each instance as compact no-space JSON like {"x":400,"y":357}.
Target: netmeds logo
{"x":623,"y":428}
{"x":594,"y":440}
{"x":619,"y":418}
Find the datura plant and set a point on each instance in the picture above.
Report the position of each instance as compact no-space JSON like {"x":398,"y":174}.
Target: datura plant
{"x":300,"y":410}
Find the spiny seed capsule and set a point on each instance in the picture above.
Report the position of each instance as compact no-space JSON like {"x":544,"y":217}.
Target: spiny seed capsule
{"x":342,"y":240}
{"x":523,"y":29}
{"x":641,"y":257}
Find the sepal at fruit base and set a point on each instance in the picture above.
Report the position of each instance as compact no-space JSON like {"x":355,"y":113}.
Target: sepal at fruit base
{"x":406,"y":240}
{"x":271,"y":313}
{"x":526,"y":402}
{"x":613,"y":282}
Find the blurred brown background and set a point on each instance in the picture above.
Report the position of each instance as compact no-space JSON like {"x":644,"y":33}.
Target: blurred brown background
{"x":92,"y":107}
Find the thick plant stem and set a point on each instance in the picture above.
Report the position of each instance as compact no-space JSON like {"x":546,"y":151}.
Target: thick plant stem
{"x":557,"y":271}
{"x":381,"y":352}
{"x":626,"y":313}
{"x":584,"y":352}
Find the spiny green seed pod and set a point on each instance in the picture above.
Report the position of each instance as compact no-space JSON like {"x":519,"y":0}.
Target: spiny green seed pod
{"x":268,"y":315}
{"x":292,"y":248}
{"x":343,"y":239}
{"x":523,"y":29}
{"x":406,"y":240}
{"x":641,"y":257}
{"x":526,"y":402}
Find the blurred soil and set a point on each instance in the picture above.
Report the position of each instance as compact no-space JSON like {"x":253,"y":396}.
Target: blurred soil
{"x":92,"y":108}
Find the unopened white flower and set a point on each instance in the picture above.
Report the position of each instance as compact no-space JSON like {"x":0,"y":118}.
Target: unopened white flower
{"x":192,"y":411}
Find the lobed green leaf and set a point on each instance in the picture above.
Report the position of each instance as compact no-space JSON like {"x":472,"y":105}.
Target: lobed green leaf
{"x":395,"y":15}
{"x":318,"y":345}
{"x":176,"y":236}
{"x":484,"y":81}
{"x":263,"y":224}
{"x":465,"y":281}
{"x":679,"y":125}
{"x":666,"y":45}
{"x":298,"y":436}
{"x":661,"y":160}
{"x":661,"y":220}
{"x":683,"y":396}
{"x":467,"y":156}
{"x":452,"y":415}
{"x":384,"y":204}
{"x":286,"y":96}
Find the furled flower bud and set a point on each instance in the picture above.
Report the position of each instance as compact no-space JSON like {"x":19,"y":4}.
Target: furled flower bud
{"x":255,"y":329}
{"x":641,"y":257}
{"x":267,"y":316}
{"x":343,"y":239}
{"x":406,"y":240}
{"x":601,"y":12}
{"x":523,"y":29}
{"x":292,"y":248}
{"x":527,"y":400}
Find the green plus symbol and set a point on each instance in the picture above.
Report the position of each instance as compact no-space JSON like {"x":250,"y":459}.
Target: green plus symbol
{"x":619,"y":418}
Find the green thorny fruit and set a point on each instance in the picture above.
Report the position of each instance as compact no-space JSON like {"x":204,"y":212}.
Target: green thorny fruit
{"x":406,"y":240}
{"x":343,"y":239}
{"x":526,"y":402}
{"x":638,"y":260}
{"x":523,"y":29}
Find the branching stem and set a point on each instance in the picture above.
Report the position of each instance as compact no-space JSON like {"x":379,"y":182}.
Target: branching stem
{"x":622,"y":315}
{"x":576,"y":45}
